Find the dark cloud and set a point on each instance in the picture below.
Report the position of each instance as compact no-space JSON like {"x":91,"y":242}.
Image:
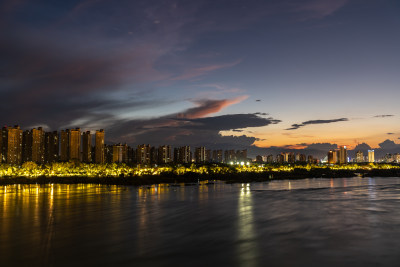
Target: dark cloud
{"x":322,"y":146}
{"x":362,"y":147}
{"x":297,"y":126}
{"x":173,"y":130}
{"x":389,"y":145}
{"x":383,"y":116}
{"x":228,"y":122}
{"x":389,"y":133}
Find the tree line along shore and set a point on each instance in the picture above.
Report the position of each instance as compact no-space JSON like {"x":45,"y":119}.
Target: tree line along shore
{"x":122,"y":174}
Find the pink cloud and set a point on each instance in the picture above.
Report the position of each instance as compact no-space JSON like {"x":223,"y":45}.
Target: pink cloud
{"x":206,"y":107}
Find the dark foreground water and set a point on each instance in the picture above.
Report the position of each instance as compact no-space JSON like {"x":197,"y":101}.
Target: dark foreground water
{"x":312,"y":222}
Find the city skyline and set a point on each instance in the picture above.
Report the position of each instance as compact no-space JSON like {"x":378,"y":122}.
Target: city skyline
{"x":37,"y":145}
{"x":280,"y":75}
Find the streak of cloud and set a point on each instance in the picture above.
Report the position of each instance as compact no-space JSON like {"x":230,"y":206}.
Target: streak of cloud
{"x":383,"y":116}
{"x":205,"y":107}
{"x":297,"y":126}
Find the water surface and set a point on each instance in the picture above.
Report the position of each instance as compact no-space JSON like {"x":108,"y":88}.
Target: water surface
{"x":331,"y":222}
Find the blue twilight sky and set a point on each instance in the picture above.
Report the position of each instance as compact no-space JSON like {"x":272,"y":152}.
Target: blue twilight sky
{"x":287,"y":73}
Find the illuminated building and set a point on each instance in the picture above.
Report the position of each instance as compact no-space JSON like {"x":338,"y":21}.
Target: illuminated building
{"x":288,"y":157}
{"x":332,"y":157}
{"x":119,"y":153}
{"x":75,"y":144}
{"x":164,"y":154}
{"x":342,"y":155}
{"x":182,"y":155}
{"x":371,"y":156}
{"x":86,"y":147}
{"x":217,"y":156}
{"x":270,"y":158}
{"x":302,"y":158}
{"x":70,"y":144}
{"x":99,"y":153}
{"x":185,"y":156}
{"x":11,"y":145}
{"x":396,"y":157}
{"x":33,"y":147}
{"x":51,"y":146}
{"x":310,"y":159}
{"x":359,"y":156}
{"x":200,"y":154}
{"x":143,"y":154}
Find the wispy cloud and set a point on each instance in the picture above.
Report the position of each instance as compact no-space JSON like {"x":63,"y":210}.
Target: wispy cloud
{"x":383,"y":116}
{"x":297,"y":126}
{"x":200,"y":71}
{"x":205,"y":107}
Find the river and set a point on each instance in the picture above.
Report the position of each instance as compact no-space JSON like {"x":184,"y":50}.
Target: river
{"x":309,"y":222}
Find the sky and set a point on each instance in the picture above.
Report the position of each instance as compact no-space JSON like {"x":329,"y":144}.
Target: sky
{"x":279,"y":74}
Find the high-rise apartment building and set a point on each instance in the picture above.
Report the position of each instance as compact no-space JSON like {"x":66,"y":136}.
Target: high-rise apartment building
{"x":359,"y":156}
{"x":64,"y":147}
{"x":230,"y":156}
{"x":241,"y":155}
{"x":70,"y":144}
{"x":280,"y":158}
{"x":332,"y":157}
{"x":217,"y":156}
{"x":342,"y":157}
{"x":185,"y":156}
{"x":75,"y":144}
{"x":51,"y":145}
{"x":99,"y":147}
{"x":11,"y":145}
{"x":200,"y":154}
{"x":120,"y":153}
{"x":371,"y":155}
{"x":208,"y":156}
{"x":86,"y":147}
{"x":302,"y":158}
{"x":26,"y":146}
{"x":143,"y":154}
{"x":396,"y":157}
{"x":108,"y":153}
{"x":153,"y":155}
{"x":33,"y":145}
{"x":164,"y":154}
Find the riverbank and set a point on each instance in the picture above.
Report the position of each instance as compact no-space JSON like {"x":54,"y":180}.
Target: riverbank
{"x":193,"y":177}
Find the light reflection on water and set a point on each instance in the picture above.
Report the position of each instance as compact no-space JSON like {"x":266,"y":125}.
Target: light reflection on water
{"x":347,"y":222}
